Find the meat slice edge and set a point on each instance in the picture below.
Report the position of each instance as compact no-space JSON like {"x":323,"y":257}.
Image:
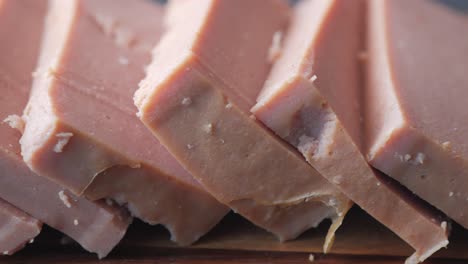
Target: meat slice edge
{"x":16,"y":228}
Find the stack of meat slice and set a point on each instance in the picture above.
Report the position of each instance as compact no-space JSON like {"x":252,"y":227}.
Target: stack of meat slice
{"x":205,"y":75}
{"x":312,"y":99}
{"x":246,"y":105}
{"x":80,"y":125}
{"x":97,"y":226}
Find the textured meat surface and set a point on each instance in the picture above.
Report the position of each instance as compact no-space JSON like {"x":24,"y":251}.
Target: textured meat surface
{"x":96,"y":226}
{"x":416,"y":100}
{"x":204,"y":78}
{"x":81,"y":129}
{"x":312,"y":99}
{"x":16,"y":228}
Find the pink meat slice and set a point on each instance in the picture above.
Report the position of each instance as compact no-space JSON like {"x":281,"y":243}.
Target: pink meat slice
{"x":416,"y":100}
{"x":312,"y":99}
{"x":97,"y":226}
{"x":81,"y":130}
{"x":204,"y":77}
{"x":16,"y":227}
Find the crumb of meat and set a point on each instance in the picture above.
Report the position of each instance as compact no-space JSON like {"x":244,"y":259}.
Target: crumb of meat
{"x":311,"y":258}
{"x":135,"y":166}
{"x":31,"y":241}
{"x":6,"y":252}
{"x":446,"y":145}
{"x":407,"y":157}
{"x":190,"y":146}
{"x":313,"y":78}
{"x":65,"y":199}
{"x":63,"y":139}
{"x":186,"y":101}
{"x":420,"y":158}
{"x":75,"y":222}
{"x":253,"y":117}
{"x":450,"y":194}
{"x":15,"y":122}
{"x":443,"y":225}
{"x":275,"y":49}
{"x":229,"y":105}
{"x":123,"y":60}
{"x":208,"y":128}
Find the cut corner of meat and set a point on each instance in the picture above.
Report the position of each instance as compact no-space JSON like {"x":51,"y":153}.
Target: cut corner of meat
{"x":318,"y":112}
{"x":416,"y":130}
{"x":17,"y":228}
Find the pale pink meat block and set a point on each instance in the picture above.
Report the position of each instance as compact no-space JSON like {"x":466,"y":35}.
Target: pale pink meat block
{"x":16,"y":227}
{"x":81,"y":129}
{"x":205,"y":75}
{"x":416,"y":100}
{"x":312,"y":99}
{"x":96,"y":226}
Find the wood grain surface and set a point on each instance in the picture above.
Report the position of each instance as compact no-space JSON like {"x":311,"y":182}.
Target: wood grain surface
{"x":235,"y":241}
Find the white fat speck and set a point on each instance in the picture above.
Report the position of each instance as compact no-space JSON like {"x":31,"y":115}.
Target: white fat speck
{"x":208,"y":128}
{"x":135,"y":165}
{"x":123,"y":60}
{"x":450,"y":194}
{"x":228,"y":106}
{"x":444,"y":225}
{"x":332,"y":202}
{"x":222,"y":141}
{"x":65,"y":199}
{"x":75,"y":222}
{"x":407,"y":157}
{"x":253,"y":117}
{"x":420,"y":158}
{"x":31,"y":241}
{"x":311,"y":258}
{"x":190,"y":146}
{"x":63,"y":139}
{"x":275,"y":49}
{"x":379,"y":183}
{"x":15,"y":122}
{"x":337,"y":179}
{"x":313,"y":78}
{"x":186,"y":101}
{"x":6,"y":252}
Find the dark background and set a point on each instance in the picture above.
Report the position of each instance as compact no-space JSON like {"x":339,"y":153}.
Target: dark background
{"x":461,"y":5}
